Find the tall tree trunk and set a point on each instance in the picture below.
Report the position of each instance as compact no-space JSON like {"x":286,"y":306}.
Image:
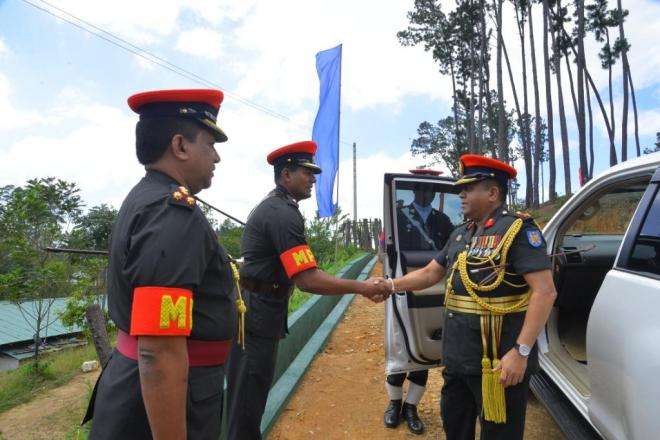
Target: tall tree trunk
{"x":503,"y":148}
{"x":562,"y":117}
{"x":590,"y":80}
{"x":537,"y":111}
{"x":527,"y":148}
{"x":580,"y":91}
{"x":632,"y":93}
{"x":571,"y":83}
{"x":612,"y":133}
{"x":626,"y":67}
{"x":486,"y":79}
{"x":453,"y":90}
{"x":471,"y":130}
{"x":552,"y":191}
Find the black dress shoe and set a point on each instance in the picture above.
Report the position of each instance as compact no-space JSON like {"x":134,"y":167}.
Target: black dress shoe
{"x":409,"y":412}
{"x":392,"y":416}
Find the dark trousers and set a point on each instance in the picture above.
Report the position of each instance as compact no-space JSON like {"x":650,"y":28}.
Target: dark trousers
{"x":249,"y":378}
{"x":417,"y":377}
{"x":119,"y":412}
{"x":460,"y":405}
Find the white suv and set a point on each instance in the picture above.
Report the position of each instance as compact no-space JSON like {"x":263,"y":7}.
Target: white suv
{"x":603,"y":354}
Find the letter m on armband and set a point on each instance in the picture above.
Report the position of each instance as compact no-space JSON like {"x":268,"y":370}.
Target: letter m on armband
{"x":297,"y":259}
{"x":164,"y":311}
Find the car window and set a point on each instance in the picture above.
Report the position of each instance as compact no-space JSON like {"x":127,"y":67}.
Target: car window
{"x":425,"y":215}
{"x":645,"y":255}
{"x":610,"y":213}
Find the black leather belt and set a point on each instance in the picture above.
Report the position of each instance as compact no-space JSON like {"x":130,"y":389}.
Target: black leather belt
{"x":267,"y":288}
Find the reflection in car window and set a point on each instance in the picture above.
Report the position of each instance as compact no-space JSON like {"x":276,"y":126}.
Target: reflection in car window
{"x":425,"y":215}
{"x":645,"y":256}
{"x":611,"y":213}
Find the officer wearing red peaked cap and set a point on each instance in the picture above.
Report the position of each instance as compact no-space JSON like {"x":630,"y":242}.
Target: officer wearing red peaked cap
{"x":475,"y":168}
{"x":198,"y":105}
{"x":277,"y":258}
{"x":170,"y":286}
{"x":499,"y":294}
{"x":300,"y":154}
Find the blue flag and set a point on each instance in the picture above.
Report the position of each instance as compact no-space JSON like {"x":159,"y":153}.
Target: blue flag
{"x":326,"y":127}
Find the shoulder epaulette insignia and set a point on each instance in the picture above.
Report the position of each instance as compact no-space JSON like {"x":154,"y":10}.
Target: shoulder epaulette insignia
{"x":523,"y":215}
{"x":181,"y":197}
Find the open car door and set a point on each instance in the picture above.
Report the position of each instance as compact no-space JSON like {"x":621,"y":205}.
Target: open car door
{"x":420,"y":212}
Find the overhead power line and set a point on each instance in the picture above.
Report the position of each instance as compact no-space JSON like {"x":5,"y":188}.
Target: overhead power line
{"x":126,"y":45}
{"x":145,"y":54}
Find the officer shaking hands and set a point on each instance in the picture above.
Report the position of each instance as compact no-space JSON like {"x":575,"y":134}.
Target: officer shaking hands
{"x":276,"y":258}
{"x":499,"y":295}
{"x":171,"y":291}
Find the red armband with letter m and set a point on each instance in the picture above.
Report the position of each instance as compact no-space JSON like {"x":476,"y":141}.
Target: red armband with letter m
{"x":297,"y":259}
{"x":161,"y":311}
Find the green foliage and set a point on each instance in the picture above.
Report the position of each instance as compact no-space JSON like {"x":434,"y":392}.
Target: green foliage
{"x":32,"y":218}
{"x":230,"y":237}
{"x":323,"y":238}
{"x":92,"y":230}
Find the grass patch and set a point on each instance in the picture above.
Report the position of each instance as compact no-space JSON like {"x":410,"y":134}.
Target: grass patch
{"x":55,"y":369}
{"x":299,"y":297}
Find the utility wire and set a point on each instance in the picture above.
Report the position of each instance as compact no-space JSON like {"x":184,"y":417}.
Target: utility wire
{"x":122,"y":43}
{"x":145,"y":54}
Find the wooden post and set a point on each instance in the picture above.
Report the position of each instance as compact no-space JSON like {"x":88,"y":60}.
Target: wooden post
{"x":96,"y":322}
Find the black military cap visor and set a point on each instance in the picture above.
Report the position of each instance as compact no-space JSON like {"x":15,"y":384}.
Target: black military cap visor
{"x":300,"y":159}
{"x":199,"y":112}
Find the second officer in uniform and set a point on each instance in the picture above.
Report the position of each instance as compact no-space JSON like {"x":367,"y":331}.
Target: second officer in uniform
{"x":276,"y":258}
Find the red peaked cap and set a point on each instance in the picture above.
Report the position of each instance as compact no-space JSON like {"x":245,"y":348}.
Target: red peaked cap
{"x":301,"y":153}
{"x":200,"y":105}
{"x":475,"y":168}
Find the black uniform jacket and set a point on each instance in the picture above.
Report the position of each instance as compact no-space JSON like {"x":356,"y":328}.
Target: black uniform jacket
{"x":462,"y":346}
{"x":168,"y":275}
{"x":415,"y":234}
{"x":274,"y":249}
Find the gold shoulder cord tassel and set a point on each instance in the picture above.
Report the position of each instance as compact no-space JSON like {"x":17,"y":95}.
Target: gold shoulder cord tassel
{"x":491,"y":311}
{"x":240,"y":305}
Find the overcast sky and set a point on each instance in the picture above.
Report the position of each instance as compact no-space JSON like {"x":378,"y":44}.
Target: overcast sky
{"x":63,"y":91}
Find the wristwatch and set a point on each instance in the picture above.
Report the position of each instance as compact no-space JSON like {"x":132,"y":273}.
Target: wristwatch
{"x":523,"y":350}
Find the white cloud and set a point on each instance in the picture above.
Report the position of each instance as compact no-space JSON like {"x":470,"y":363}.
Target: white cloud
{"x":4,"y":50}
{"x":201,"y":42}
{"x":376,"y":68}
{"x":13,"y":118}
{"x":649,"y":122}
{"x":146,"y":21}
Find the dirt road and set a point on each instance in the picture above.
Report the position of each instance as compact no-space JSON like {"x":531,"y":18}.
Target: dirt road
{"x":343,"y":394}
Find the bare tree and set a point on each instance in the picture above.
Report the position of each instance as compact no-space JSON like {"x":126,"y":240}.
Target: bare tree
{"x":537,"y":111}
{"x":552,"y":179}
{"x":621,"y":45}
{"x":560,"y":95}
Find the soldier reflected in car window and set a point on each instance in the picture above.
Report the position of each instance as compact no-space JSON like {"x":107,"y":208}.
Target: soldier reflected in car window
{"x":422,"y":224}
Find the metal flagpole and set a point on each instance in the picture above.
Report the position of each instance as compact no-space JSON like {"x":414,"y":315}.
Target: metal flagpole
{"x":341,"y":53}
{"x":355,"y":216}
